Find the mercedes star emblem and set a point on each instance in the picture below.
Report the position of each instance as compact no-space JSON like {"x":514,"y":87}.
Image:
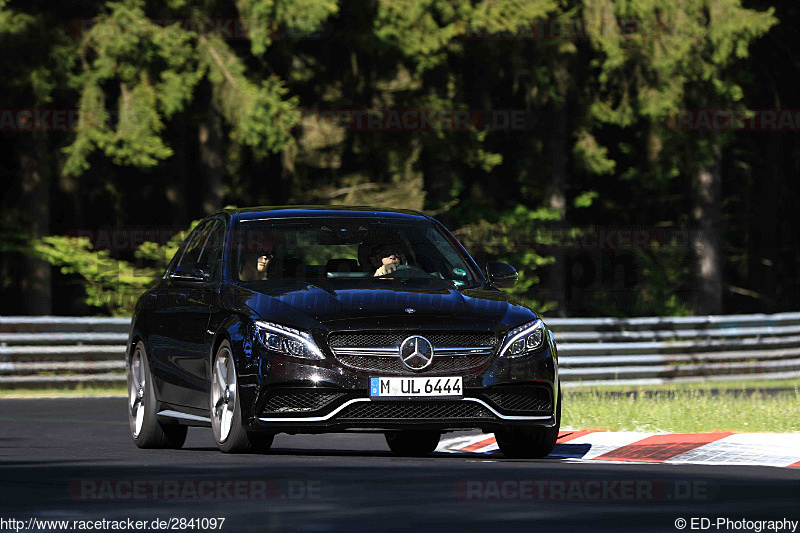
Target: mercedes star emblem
{"x":416,"y":353}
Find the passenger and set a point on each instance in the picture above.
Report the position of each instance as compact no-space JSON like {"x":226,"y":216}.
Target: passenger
{"x":253,"y":266}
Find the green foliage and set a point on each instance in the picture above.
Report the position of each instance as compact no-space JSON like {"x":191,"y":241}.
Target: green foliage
{"x":425,"y":30}
{"x":156,"y":69}
{"x":155,"y":72}
{"x":679,"y":56}
{"x":591,"y":156}
{"x":585,"y":199}
{"x":112,"y":285}
{"x":285,"y":18}
{"x":667,"y":278}
{"x":513,"y":238}
{"x":13,"y":23}
{"x":143,"y":91}
{"x":421,"y":30}
{"x":258,"y":113}
{"x":647,"y":74}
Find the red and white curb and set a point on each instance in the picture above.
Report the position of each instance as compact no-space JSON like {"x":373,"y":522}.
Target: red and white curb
{"x":764,"y":449}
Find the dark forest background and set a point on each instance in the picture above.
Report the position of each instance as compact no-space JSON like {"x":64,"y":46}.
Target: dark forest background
{"x":588,"y":122}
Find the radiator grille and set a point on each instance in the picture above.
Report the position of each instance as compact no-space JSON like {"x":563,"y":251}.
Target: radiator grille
{"x":522,"y":399}
{"x":298,"y":402}
{"x":398,"y":410}
{"x":458,"y":364}
{"x":379,"y":339}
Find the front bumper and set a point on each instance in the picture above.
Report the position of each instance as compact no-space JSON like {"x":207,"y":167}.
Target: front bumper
{"x":381,"y":415}
{"x":282,"y":394}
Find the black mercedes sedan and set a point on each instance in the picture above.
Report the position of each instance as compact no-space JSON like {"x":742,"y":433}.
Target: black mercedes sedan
{"x":321,"y":319}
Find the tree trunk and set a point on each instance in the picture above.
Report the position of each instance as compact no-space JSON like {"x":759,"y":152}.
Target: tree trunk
{"x":211,"y":170}
{"x":707,"y":214}
{"x":437,"y":176}
{"x":558,"y":161}
{"x":763,"y":251}
{"x":557,"y":148}
{"x":35,"y":273}
{"x":177,"y":184}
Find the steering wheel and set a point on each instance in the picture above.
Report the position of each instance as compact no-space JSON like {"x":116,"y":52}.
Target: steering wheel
{"x":411,"y":271}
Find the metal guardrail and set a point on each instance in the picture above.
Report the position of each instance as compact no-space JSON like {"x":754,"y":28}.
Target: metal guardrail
{"x":655,"y":350}
{"x":45,"y":351}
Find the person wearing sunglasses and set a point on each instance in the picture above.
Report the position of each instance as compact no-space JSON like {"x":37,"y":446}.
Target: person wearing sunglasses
{"x":253,"y":266}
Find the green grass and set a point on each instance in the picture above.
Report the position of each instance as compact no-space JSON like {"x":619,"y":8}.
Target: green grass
{"x":750,"y":406}
{"x":744,"y":406}
{"x":77,"y":390}
{"x":706,"y":385}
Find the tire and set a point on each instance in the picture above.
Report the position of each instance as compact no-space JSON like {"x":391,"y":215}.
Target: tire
{"x":413,"y":443}
{"x":226,"y":410}
{"x":533,"y":443}
{"x":146,"y":430}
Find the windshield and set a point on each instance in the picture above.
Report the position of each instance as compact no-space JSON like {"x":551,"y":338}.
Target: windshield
{"x":347,"y":248}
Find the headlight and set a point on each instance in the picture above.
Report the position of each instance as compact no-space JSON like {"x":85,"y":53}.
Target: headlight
{"x":288,"y":341}
{"x":524,"y":339}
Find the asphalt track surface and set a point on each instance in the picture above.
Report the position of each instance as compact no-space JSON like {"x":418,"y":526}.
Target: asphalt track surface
{"x":74,"y":459}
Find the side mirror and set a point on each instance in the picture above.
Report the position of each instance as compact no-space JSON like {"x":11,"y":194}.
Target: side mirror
{"x":191,"y":273}
{"x":501,"y":274}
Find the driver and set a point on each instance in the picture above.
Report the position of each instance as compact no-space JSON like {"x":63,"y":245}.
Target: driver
{"x":385,"y":258}
{"x":257,"y":247}
{"x":254,"y":265}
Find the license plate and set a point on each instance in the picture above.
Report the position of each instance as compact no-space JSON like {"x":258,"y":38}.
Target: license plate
{"x":416,"y":387}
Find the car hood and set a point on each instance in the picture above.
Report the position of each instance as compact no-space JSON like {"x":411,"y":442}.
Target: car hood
{"x":302,"y":302}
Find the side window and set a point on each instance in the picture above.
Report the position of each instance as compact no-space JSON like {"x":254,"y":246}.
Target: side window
{"x":173,"y":263}
{"x":196,"y":242}
{"x":213,"y":248}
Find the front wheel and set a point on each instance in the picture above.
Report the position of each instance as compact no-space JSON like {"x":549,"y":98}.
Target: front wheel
{"x":533,"y":443}
{"x":413,"y":443}
{"x":146,"y":430}
{"x":226,"y":409}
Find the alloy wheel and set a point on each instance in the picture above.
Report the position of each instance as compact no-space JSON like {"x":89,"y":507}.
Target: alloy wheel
{"x":223,"y":394}
{"x":136,"y":391}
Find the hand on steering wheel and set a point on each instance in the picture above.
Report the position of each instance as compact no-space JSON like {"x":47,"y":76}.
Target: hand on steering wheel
{"x":411,"y":271}
{"x":386,"y":269}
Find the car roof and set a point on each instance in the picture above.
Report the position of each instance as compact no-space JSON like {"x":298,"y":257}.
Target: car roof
{"x":315,"y":211}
